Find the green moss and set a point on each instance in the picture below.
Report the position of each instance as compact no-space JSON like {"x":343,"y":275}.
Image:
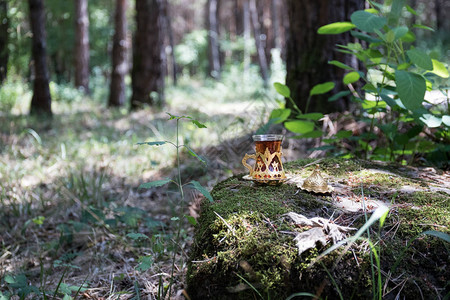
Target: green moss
{"x":243,"y":235}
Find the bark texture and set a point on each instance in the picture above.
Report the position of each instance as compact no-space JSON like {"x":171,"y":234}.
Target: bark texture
{"x":213,"y":38}
{"x":260,"y":49}
{"x":4,"y":24}
{"x":41,"y":100}
{"x":308,"y":53}
{"x":119,"y":56}
{"x":82,"y":45}
{"x":148,"y":70}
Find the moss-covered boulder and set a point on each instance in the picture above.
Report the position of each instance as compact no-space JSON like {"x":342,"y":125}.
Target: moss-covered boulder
{"x":244,"y":245}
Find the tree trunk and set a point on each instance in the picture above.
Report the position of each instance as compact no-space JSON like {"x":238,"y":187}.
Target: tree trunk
{"x":259,"y":46}
{"x":148,"y":72}
{"x":82,"y":45}
{"x":41,"y":101}
{"x":213,"y":38}
{"x":442,"y":8}
{"x":275,"y":24}
{"x":247,"y":41}
{"x":308,"y":53}
{"x":169,"y":32}
{"x":119,"y":56}
{"x":4,"y":24}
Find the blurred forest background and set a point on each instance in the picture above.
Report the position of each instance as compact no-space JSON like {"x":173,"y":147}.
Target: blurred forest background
{"x":82,"y":82}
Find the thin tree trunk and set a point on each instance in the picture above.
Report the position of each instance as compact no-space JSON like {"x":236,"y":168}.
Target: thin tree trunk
{"x":4,"y":24}
{"x":246,"y":27}
{"x":82,"y":45}
{"x":275,"y":24}
{"x":213,"y":39}
{"x":259,"y":47}
{"x":169,"y":32}
{"x":41,"y":101}
{"x":119,"y":56}
{"x":147,"y":76}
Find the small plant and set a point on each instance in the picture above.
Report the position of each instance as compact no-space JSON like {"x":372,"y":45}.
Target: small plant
{"x":392,"y":102}
{"x":396,"y":77}
{"x":145,"y":263}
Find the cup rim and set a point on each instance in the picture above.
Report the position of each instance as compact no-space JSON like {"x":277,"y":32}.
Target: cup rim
{"x":267,"y":137}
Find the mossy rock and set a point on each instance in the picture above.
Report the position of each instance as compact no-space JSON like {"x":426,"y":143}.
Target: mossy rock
{"x":244,"y":247}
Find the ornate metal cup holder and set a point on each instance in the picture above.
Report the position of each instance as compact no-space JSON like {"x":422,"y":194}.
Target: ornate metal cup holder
{"x":267,"y":181}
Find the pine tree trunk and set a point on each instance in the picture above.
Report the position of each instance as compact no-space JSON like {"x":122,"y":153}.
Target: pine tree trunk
{"x":308,"y":53}
{"x":148,"y":73}
{"x":169,"y":32}
{"x":442,"y":8}
{"x":246,"y":33}
{"x":82,"y":45}
{"x":4,"y":24}
{"x":41,"y":101}
{"x":119,"y":56}
{"x":275,"y":24}
{"x":213,"y":38}
{"x":259,"y":46}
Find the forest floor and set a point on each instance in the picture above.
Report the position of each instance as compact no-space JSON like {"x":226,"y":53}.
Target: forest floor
{"x":70,"y":208}
{"x":71,"y":212}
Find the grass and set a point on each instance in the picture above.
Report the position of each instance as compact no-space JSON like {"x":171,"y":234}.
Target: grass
{"x":71,"y":215}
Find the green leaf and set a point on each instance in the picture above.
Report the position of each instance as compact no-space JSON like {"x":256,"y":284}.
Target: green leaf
{"x":313,"y":135}
{"x":409,"y":37}
{"x":364,"y":37}
{"x":420,"y":59}
{"x":299,"y":126}
{"x":136,"y":235}
{"x":368,"y":104}
{"x":279,"y":115}
{"x":310,"y":116}
{"x":439,"y":69}
{"x":403,"y":66}
{"x":400,"y":31}
{"x":38,"y":220}
{"x":442,"y":235}
{"x":339,"y":95}
{"x":423,"y":27}
{"x":336,"y":28}
{"x":372,"y":10}
{"x":366,"y":21}
{"x":389,"y":37}
{"x":322,"y":88}
{"x":383,"y":218}
{"x":351,"y":77}
{"x":343,"y":134}
{"x":157,"y":143}
{"x":191,"y":152}
{"x":431,"y":120}
{"x":191,"y":220}
{"x":446,"y":120}
{"x":411,"y":10}
{"x":282,"y":89}
{"x":155,"y":183}
{"x":197,"y":123}
{"x":196,"y":185}
{"x":411,"y":89}
{"x":173,"y":116}
{"x":340,"y":65}
{"x":145,"y":263}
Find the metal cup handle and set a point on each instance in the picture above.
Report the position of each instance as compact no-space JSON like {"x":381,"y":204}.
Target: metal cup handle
{"x":244,"y":162}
